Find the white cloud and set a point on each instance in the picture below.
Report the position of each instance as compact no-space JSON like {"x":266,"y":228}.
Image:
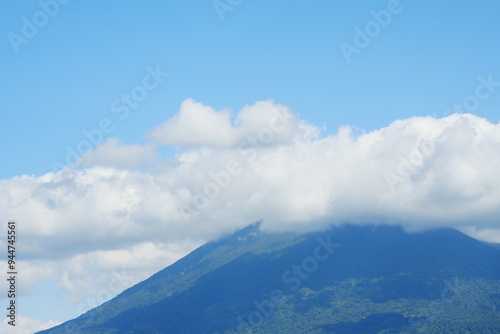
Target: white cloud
{"x":25,"y":325}
{"x":267,"y":165}
{"x":419,"y":172}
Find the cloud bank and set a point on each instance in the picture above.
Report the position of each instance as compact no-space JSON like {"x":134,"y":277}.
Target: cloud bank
{"x":264,"y":163}
{"x":25,"y":325}
{"x":197,"y":125}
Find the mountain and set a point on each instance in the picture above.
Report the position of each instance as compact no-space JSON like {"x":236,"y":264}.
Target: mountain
{"x":349,"y":279}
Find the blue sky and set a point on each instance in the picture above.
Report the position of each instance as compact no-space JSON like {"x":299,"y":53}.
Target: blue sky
{"x":64,"y":80}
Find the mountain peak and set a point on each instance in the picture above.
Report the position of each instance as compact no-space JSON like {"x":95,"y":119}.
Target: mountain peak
{"x":343,"y":279}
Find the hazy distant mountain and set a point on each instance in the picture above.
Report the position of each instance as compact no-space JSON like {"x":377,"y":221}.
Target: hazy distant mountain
{"x":344,"y":280}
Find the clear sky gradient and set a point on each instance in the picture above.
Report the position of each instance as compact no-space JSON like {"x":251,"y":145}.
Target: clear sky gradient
{"x":65,"y":78}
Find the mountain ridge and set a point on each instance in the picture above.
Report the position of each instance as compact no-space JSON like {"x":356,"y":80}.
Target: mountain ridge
{"x":254,"y":277}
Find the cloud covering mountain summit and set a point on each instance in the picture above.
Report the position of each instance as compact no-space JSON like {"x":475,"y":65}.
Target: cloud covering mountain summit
{"x":264,"y":163}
